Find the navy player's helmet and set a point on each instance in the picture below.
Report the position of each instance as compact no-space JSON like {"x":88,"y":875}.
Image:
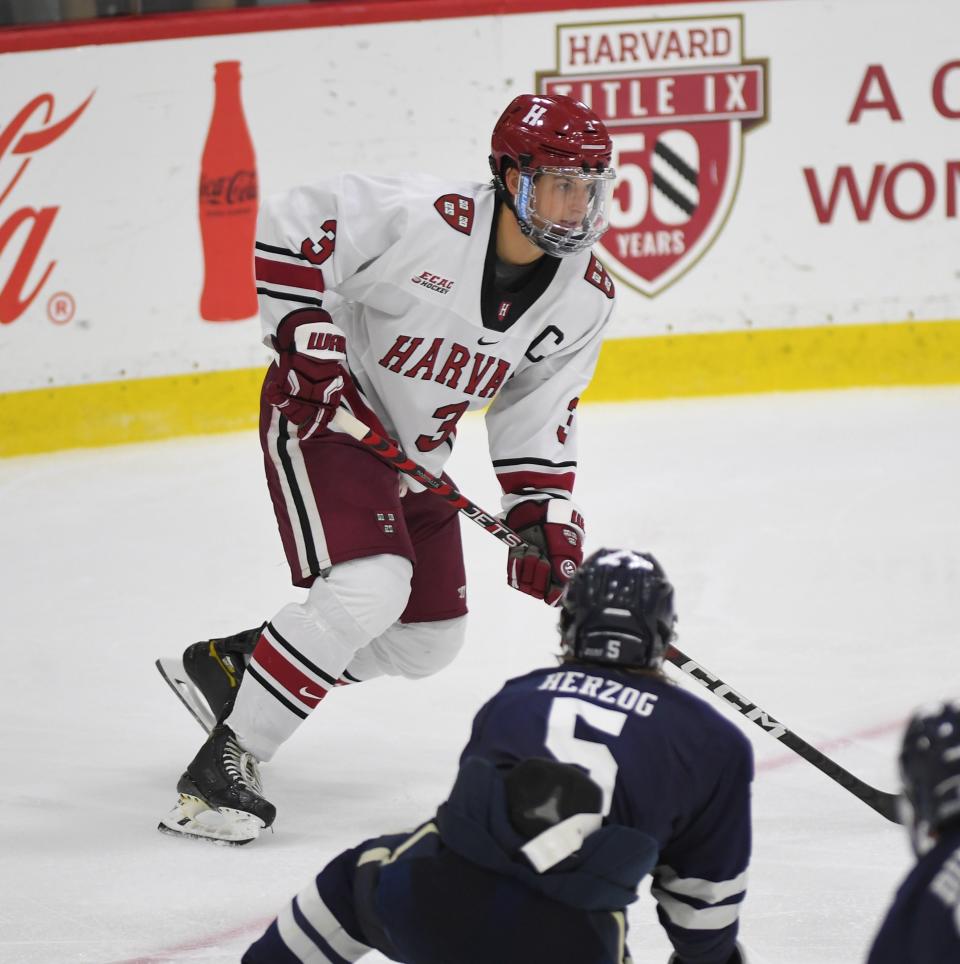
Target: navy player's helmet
{"x":562,"y":152}
{"x":618,"y":609}
{"x":930,"y":772}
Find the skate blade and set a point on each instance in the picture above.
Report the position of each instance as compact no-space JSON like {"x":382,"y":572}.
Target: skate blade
{"x":171,"y":669}
{"x":191,"y":817}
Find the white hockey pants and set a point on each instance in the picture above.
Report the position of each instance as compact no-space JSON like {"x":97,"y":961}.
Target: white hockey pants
{"x":346,"y":629}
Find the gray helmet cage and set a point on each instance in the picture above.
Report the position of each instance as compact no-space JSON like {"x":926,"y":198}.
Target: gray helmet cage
{"x":556,"y":238}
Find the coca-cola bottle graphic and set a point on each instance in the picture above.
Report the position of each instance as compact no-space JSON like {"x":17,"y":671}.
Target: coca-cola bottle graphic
{"x":228,"y":204}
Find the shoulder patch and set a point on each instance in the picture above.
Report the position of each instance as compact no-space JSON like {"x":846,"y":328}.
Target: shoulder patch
{"x":457,"y":211}
{"x":598,"y":277}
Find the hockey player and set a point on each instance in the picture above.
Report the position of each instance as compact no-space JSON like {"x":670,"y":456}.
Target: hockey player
{"x":408,"y":302}
{"x":577,"y":781}
{"x":923,"y":923}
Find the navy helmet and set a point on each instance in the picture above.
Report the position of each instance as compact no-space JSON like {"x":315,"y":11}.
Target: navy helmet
{"x":930,"y":772}
{"x":618,"y":609}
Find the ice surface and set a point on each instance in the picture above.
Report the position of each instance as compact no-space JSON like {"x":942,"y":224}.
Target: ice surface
{"x":814,"y":540}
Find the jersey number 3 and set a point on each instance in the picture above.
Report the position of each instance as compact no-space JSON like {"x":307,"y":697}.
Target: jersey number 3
{"x":593,"y":756}
{"x":449,"y":415}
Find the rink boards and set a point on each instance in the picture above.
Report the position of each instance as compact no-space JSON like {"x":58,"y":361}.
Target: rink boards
{"x":785,"y":219}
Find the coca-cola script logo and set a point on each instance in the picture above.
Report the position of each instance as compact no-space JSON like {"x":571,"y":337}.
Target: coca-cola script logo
{"x":223,"y":193}
{"x":31,"y":131}
{"x":676,"y":96}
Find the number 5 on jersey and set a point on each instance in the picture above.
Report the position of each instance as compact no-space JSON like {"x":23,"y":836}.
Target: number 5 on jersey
{"x":593,"y":756}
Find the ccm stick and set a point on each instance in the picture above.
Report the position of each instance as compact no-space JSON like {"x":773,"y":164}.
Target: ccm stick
{"x":884,"y":803}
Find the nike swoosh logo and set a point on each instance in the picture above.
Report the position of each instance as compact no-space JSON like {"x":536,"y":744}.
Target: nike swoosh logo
{"x":313,"y":696}
{"x":480,"y":341}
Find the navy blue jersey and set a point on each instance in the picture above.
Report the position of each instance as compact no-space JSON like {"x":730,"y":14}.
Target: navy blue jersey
{"x":923,"y":923}
{"x":675,"y":777}
{"x":669,"y":765}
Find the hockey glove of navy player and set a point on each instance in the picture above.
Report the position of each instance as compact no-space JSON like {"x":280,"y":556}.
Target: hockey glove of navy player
{"x":553,"y":531}
{"x":308,"y":382}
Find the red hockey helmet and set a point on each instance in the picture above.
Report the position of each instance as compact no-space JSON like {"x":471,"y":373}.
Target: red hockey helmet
{"x":562,"y":152}
{"x":550,"y":131}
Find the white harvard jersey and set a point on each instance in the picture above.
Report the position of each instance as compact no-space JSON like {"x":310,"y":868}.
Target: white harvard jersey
{"x":406,"y":267}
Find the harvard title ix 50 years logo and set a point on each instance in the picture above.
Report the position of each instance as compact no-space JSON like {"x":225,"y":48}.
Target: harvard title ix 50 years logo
{"x":676,"y":96}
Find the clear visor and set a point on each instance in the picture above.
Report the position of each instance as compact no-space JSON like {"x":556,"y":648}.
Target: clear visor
{"x":564,"y":209}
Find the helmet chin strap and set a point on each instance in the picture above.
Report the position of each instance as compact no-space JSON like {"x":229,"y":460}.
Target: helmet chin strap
{"x":500,"y":186}
{"x":504,"y":195}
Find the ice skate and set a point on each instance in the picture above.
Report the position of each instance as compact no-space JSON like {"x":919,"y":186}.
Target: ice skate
{"x":221,"y":795}
{"x":206,"y":678}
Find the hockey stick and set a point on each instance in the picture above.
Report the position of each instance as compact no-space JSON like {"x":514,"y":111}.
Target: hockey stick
{"x":884,"y":803}
{"x":392,"y":454}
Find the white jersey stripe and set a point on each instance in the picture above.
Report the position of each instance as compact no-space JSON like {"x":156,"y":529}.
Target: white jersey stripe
{"x":536,"y":493}
{"x":271,"y":253}
{"x":294,"y":301}
{"x":539,"y":466}
{"x":413,"y":839}
{"x":375,"y":855}
{"x":321,"y":917}
{"x":696,"y":918}
{"x":297,"y":941}
{"x":709,"y":891}
{"x":278,"y":289}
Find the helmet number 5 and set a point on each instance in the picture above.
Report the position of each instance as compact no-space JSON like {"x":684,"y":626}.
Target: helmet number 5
{"x":593,"y":756}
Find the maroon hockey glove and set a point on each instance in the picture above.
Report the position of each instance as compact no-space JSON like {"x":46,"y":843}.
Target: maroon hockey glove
{"x":308,"y":382}
{"x":553,"y":531}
